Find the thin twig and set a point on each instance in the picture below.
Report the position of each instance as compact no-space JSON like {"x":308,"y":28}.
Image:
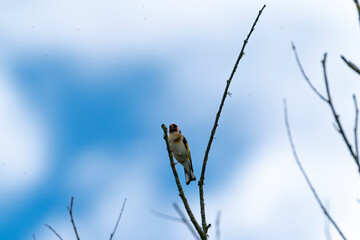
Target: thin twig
{"x":329,"y":101}
{"x":358,"y":8}
{"x":326,"y":226}
{"x":205,"y":227}
{"x":72,"y":218}
{"x":51,"y":229}
{"x":186,"y":222}
{"x":351,"y":65}
{"x":304,"y":74}
{"x":176,"y":219}
{"x":336,"y":115}
{"x":217,"y":225}
{"x":181,"y":191}
{"x":34,"y":238}
{"x":166,"y":216}
{"x":305,"y":175}
{"x":327,"y":230}
{"x":355,"y":128}
{"x":118,"y":220}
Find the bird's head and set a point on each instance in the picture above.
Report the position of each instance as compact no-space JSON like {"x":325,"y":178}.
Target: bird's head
{"x":173,"y":128}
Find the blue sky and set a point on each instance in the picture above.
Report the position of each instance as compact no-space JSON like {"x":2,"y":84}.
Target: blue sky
{"x":86,"y":85}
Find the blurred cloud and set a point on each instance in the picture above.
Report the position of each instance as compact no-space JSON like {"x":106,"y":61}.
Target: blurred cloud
{"x":86,"y":85}
{"x":24,"y":143}
{"x":103,"y":25}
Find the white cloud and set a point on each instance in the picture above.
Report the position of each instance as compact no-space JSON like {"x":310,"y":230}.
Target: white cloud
{"x":128,"y":27}
{"x":271,"y":198}
{"x":108,"y":23}
{"x":23,"y":143}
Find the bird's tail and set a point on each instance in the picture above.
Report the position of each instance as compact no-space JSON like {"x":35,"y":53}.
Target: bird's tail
{"x":189,"y":174}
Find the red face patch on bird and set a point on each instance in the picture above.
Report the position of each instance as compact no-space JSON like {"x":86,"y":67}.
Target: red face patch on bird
{"x":173,"y":128}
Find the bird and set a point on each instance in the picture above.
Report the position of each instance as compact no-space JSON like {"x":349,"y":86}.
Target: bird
{"x":180,"y":150}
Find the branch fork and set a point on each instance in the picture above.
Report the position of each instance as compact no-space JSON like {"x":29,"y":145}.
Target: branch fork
{"x":202,"y":231}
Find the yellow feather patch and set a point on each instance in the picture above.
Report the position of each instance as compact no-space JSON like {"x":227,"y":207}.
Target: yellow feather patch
{"x":187,"y":147}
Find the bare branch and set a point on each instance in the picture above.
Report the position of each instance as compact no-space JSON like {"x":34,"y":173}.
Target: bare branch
{"x":336,"y":115}
{"x":166,"y":216}
{"x":176,"y":219}
{"x":327,"y":231}
{"x":355,"y":128}
{"x":72,"y":218}
{"x":305,"y":175}
{"x":326,"y":227}
{"x":336,"y":127}
{"x":53,"y":231}
{"x":205,"y":226}
{"x":34,"y":238}
{"x":183,"y":219}
{"x":328,"y":100}
{"x":351,"y":65}
{"x":217,"y":225}
{"x":357,"y":7}
{"x":181,"y":191}
{"x":305,"y":76}
{"x":118,"y":220}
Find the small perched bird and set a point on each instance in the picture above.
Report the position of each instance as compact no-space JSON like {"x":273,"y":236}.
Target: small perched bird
{"x":180,"y":150}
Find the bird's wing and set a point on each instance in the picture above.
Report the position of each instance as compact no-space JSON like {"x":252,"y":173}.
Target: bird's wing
{"x":187,"y":147}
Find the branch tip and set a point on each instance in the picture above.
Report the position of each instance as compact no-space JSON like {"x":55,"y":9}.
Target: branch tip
{"x":72,"y":218}
{"x":328,"y":100}
{"x":118,"y":220}
{"x":53,"y":230}
{"x":351,"y":65}
{"x":211,"y":138}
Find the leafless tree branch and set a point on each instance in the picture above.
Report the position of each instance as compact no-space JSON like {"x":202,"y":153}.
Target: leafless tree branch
{"x":181,"y":191}
{"x":329,"y":101}
{"x":72,"y":218}
{"x":118,"y":220}
{"x":351,"y":65}
{"x":166,"y":216}
{"x":217,"y":225}
{"x":34,"y":238}
{"x":51,"y":229}
{"x":305,"y":175}
{"x":183,"y":219}
{"x":203,"y":231}
{"x":304,"y":74}
{"x":355,"y":128}
{"x":205,"y":226}
{"x":357,"y":7}
{"x":336,"y":115}
{"x":326,"y":227}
